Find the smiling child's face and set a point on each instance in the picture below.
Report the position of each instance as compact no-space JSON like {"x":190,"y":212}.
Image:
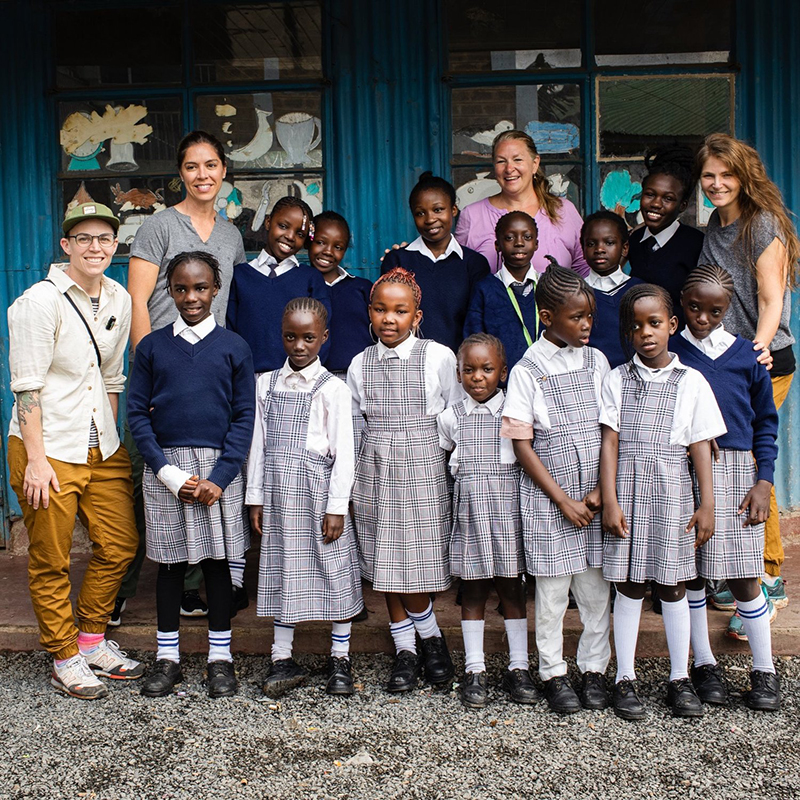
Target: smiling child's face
{"x":192,"y":288}
{"x":287,"y":229}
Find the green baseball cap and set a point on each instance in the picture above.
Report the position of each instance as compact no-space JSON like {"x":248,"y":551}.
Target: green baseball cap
{"x":89,"y":211}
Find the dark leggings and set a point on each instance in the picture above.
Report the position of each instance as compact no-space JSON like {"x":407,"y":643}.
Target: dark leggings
{"x":169,"y":590}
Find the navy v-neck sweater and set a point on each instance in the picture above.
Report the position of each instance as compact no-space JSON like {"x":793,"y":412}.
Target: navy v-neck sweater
{"x":349,"y":328}
{"x":605,"y":328}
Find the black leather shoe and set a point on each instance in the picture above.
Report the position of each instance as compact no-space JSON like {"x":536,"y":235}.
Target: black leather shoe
{"x":683,"y":699}
{"x":594,"y":694}
{"x":627,"y":704}
{"x":473,"y":690}
{"x":221,"y":679}
{"x":162,"y":678}
{"x":284,"y":674}
{"x":340,"y":677}
{"x":405,"y":672}
{"x":240,"y":599}
{"x":709,"y":684}
{"x":561,"y":696}
{"x":765,"y":692}
{"x":520,"y":687}
{"x":436,"y":661}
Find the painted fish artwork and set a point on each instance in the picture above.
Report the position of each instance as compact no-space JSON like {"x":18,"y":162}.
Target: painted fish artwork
{"x":553,"y":137}
{"x":620,"y":193}
{"x":138,"y":198}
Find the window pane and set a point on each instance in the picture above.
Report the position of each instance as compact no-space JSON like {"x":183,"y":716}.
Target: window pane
{"x":639,"y":113}
{"x":268,"y":130}
{"x":659,"y":32}
{"x":117,"y":46}
{"x":549,"y":112}
{"x":267,"y":41}
{"x":485,"y":35}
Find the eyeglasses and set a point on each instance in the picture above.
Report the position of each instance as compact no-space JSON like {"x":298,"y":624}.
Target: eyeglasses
{"x":84,"y":239}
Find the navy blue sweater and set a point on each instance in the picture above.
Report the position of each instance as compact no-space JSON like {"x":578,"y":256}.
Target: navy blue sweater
{"x":349,"y":328}
{"x":447,"y":287}
{"x":490,"y":311}
{"x":201,"y":395}
{"x":605,"y":328}
{"x":743,"y":390}
{"x":669,"y":265}
{"x":255,"y":309}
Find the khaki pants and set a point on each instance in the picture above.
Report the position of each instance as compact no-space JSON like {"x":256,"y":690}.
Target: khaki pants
{"x":773,"y":547}
{"x":101,"y":494}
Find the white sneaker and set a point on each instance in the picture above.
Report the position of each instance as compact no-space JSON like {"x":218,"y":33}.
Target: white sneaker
{"x":77,"y":680}
{"x":108,"y":661}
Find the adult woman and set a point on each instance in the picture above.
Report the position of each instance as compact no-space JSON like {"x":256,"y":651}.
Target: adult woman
{"x":751,"y":236}
{"x":523,"y":187}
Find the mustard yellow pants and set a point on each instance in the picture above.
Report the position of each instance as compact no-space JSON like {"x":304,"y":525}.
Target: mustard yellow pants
{"x":773,"y":547}
{"x":101,"y":494}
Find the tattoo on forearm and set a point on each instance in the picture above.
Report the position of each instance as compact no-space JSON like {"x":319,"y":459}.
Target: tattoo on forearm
{"x":26,"y":402}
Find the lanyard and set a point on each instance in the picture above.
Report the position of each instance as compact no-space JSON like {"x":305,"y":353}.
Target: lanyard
{"x":514,"y":303}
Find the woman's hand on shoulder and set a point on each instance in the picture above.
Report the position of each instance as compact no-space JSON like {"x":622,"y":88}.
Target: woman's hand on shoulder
{"x":332,"y":527}
{"x":764,"y":357}
{"x":393,"y":247}
{"x":207,"y":492}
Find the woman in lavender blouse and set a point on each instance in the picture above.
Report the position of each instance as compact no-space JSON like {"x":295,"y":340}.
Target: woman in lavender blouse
{"x":523,"y":187}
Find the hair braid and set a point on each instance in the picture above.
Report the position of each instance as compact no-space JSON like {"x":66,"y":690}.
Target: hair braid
{"x":485,"y":339}
{"x":710,"y":273}
{"x":195,"y":255}
{"x":295,"y":202}
{"x":557,"y":285}
{"x":309,"y":304}
{"x":404,"y":278}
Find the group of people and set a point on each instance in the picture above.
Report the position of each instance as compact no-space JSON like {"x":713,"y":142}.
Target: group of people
{"x":505,"y":405}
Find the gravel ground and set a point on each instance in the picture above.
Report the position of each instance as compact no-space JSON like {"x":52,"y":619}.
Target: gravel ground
{"x":422,"y":745}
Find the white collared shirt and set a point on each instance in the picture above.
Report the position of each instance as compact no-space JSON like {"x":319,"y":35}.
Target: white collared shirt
{"x":662,"y":237}
{"x":343,"y":274}
{"x":447,"y":422}
{"x":442,"y":388}
{"x":714,"y":345}
{"x":606,"y":283}
{"x":508,"y":279}
{"x":264,"y":261}
{"x":525,"y":401}
{"x":696,"y":417}
{"x":330,"y":432}
{"x":419,"y":246}
{"x":51,"y":352}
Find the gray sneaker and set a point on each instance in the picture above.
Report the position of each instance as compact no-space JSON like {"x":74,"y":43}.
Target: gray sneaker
{"x":77,"y":680}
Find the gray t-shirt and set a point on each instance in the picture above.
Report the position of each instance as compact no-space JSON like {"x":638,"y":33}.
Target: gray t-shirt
{"x":168,"y":233}
{"x":721,"y":248}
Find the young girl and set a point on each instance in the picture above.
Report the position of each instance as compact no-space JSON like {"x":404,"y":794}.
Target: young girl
{"x":446,"y":272}
{"x":262,"y":288}
{"x":299,"y":476}
{"x":504,"y":304}
{"x":551,"y":414}
{"x":741,"y":486}
{"x":401,"y":497}
{"x":665,"y":251}
{"x":604,"y":238}
{"x":653,"y":408}
{"x":486,"y":545}
{"x":190,"y":409}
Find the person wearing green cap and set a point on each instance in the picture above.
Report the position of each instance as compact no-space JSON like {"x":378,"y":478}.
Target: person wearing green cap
{"x":67,"y":340}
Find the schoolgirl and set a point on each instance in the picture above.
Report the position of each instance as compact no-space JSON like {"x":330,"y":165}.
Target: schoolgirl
{"x":486,"y":545}
{"x":190,"y":409}
{"x":551,"y":415}
{"x":742,"y":486}
{"x":653,"y":408}
{"x":299,"y":476}
{"x":401,"y":497}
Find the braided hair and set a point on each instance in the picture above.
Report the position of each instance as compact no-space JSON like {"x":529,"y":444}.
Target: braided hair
{"x":629,"y":300}
{"x":403,"y":277}
{"x":675,"y":160}
{"x":606,"y":216}
{"x":194,"y":255}
{"x":557,"y":285}
{"x":430,"y":181}
{"x":485,"y":339}
{"x":309,"y":304}
{"x":332,"y":216}
{"x":295,"y":202}
{"x":710,"y":273}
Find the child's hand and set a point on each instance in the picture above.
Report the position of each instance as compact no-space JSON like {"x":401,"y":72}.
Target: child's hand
{"x":332,"y":527}
{"x":186,"y":493}
{"x":576,"y":512}
{"x":393,"y":247}
{"x":256,"y":518}
{"x":714,"y":450}
{"x":764,"y":357}
{"x":703,"y":520}
{"x":756,"y":503}
{"x":207,"y":492}
{"x":593,"y":501}
{"x":614,"y":521}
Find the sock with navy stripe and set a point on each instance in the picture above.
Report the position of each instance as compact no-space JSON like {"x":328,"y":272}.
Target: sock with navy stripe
{"x":425,"y":623}
{"x":168,"y":646}
{"x":403,"y":635}
{"x":698,"y":618}
{"x":755,"y":618}
{"x":236,"y":566}
{"x":282,"y":643}
{"x":340,"y":639}
{"x":219,"y":646}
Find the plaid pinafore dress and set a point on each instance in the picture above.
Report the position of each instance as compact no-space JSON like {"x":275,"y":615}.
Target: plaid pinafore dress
{"x":654,"y":488}
{"x":299,"y":577}
{"x":487,"y":529}
{"x":570,"y":450}
{"x":401,"y":496}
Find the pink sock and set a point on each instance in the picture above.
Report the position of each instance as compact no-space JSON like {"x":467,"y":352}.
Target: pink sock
{"x":89,"y":642}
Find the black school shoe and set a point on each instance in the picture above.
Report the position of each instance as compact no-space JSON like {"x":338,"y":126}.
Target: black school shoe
{"x":240,"y":599}
{"x":709,"y":684}
{"x":473,"y":690}
{"x":436,"y":661}
{"x":683,"y":699}
{"x":561,"y":696}
{"x":593,"y":694}
{"x":765,"y":692}
{"x":283,"y":675}
{"x":405,"y":672}
{"x":221,"y":679}
{"x":520,"y":687}
{"x":627,"y":704}
{"x":340,"y":677}
{"x":162,"y":678}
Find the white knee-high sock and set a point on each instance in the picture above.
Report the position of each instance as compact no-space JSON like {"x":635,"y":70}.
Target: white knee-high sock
{"x":755,"y":618}
{"x":472,"y":631}
{"x":168,"y":646}
{"x":627,"y":613}
{"x":425,"y":623}
{"x":677,"y":628}
{"x":517,"y":633}
{"x":282,"y":643}
{"x":219,"y":646}
{"x":403,"y":635}
{"x":236,"y":566}
{"x":698,"y":617}
{"x":340,"y":639}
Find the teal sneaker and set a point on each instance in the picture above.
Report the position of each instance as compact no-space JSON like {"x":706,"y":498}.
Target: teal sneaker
{"x":723,"y":600}
{"x":777,"y":593}
{"x":736,"y":626}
